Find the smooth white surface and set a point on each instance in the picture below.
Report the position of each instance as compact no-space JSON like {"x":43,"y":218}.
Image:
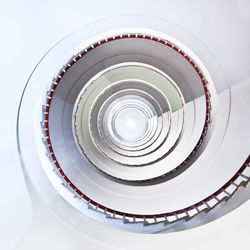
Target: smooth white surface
{"x":30,"y":28}
{"x":226,"y":233}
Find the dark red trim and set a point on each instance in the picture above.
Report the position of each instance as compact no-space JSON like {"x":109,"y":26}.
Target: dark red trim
{"x":94,"y":203}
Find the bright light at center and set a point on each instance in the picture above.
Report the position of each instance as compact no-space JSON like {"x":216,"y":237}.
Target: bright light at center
{"x":131,"y":124}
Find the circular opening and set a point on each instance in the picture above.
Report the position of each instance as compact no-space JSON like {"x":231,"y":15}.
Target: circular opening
{"x":130,"y":124}
{"x":180,"y":137}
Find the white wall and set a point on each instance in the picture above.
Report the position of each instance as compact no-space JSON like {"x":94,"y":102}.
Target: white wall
{"x":30,"y":28}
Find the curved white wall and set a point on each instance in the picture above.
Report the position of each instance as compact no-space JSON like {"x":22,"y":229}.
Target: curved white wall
{"x":29,"y":29}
